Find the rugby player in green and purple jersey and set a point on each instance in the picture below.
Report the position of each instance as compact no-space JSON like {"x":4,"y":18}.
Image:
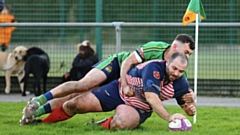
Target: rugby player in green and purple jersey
{"x":107,"y":70}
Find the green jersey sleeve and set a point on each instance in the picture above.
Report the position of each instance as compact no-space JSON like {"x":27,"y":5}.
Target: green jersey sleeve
{"x":151,"y":50}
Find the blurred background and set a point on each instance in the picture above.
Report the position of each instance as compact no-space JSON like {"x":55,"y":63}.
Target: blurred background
{"x":219,"y":47}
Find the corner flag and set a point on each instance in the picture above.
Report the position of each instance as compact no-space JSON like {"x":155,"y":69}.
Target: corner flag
{"x":194,"y":7}
{"x":194,"y":10}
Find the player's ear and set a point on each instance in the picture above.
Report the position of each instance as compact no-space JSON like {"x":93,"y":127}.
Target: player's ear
{"x":167,"y":62}
{"x":175,"y":47}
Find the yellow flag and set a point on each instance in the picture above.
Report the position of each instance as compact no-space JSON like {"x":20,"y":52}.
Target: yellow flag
{"x":194,"y":7}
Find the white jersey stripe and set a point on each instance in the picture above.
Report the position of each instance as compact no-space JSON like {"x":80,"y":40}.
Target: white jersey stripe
{"x":134,"y":102}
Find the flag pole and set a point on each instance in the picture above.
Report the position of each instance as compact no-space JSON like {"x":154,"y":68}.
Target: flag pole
{"x":196,"y":64}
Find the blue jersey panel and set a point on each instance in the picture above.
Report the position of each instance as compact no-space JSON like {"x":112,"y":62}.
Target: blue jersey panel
{"x":181,"y":87}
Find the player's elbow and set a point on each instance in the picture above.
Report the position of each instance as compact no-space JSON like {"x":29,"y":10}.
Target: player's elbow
{"x":151,"y":98}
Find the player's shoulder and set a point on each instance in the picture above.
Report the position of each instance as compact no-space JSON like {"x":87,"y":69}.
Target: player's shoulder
{"x":153,"y":64}
{"x":180,"y":86}
{"x":156,"y":44}
{"x":157,"y":62}
{"x":122,"y":54}
{"x":180,"y":83}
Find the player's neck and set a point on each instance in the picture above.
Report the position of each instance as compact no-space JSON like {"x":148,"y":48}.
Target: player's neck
{"x":167,"y":54}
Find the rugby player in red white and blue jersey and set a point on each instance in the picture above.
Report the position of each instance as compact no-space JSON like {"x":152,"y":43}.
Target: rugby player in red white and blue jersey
{"x":147,"y":80}
{"x":150,"y":76}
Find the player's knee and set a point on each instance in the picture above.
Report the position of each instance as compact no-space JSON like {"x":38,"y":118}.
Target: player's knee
{"x":71,"y":106}
{"x":117,"y":123}
{"x":74,"y":86}
{"x":77,"y":105}
{"x":85,"y":84}
{"x":82,"y":86}
{"x":72,"y":96}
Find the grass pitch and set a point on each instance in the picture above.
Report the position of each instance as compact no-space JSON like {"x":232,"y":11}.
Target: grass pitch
{"x":210,"y":121}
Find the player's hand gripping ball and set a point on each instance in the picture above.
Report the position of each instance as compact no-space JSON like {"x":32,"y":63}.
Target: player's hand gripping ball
{"x":180,"y":125}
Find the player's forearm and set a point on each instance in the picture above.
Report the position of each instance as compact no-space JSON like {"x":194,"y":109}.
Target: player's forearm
{"x":124,"y":69}
{"x":157,"y":105}
{"x":126,"y":65}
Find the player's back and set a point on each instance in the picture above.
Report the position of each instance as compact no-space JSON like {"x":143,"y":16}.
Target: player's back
{"x":145,"y":70}
{"x":152,"y":50}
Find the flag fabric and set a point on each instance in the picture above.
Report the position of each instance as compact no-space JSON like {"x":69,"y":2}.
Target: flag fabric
{"x":194,"y":7}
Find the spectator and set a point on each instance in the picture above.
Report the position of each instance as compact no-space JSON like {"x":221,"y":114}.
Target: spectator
{"x":82,"y":63}
{"x":6,"y":32}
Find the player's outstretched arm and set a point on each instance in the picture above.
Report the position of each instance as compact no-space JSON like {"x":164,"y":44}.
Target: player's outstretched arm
{"x":126,"y":65}
{"x":158,"y":107}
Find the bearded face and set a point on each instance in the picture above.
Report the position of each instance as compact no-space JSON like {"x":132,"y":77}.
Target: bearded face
{"x":175,"y":69}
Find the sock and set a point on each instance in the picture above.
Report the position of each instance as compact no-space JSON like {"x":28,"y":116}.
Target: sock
{"x":43,"y":110}
{"x":106,"y":124}
{"x":57,"y":115}
{"x":44,"y":98}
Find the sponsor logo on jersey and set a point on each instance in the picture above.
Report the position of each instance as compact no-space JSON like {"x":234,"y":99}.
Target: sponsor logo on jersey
{"x":108,"y":69}
{"x":156,"y":74}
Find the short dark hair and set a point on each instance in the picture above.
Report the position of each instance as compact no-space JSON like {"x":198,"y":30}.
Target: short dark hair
{"x":182,"y":56}
{"x":184,"y":38}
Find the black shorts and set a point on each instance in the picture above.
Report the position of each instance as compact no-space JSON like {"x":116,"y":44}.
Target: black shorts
{"x":109,"y":98}
{"x":110,"y":67}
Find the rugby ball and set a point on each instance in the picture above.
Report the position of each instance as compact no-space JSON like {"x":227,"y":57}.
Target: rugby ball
{"x":180,"y":125}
